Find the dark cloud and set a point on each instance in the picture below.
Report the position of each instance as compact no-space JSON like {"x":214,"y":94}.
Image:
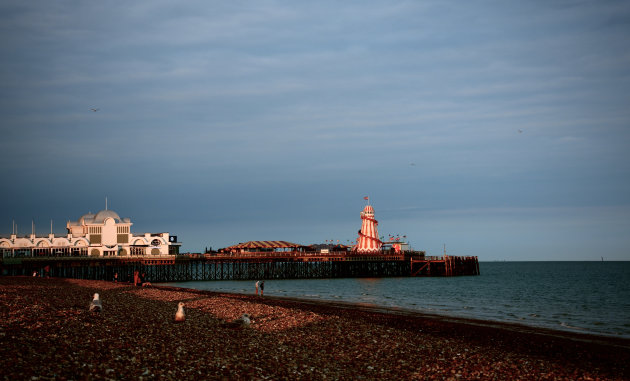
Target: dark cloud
{"x":220,"y":120}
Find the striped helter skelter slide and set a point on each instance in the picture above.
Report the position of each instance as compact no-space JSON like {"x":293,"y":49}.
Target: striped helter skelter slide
{"x":368,"y":241}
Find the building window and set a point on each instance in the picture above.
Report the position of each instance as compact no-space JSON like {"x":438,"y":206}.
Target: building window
{"x":95,"y":230}
{"x":137,"y":251}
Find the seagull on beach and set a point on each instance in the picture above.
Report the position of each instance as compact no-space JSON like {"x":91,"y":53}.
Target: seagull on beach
{"x":179,"y":315}
{"x":95,"y":304}
{"x":243,"y":321}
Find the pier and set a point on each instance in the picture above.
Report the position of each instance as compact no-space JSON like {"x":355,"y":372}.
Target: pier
{"x":243,"y":266}
{"x":102,"y":247}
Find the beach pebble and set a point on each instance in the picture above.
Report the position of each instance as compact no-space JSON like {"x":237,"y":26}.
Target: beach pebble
{"x":51,"y":337}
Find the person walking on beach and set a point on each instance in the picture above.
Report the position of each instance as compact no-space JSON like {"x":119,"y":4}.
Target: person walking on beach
{"x":262,"y":287}
{"x":257,"y":282}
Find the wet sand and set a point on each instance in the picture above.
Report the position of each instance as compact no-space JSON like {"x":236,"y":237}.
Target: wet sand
{"x":46,"y":332}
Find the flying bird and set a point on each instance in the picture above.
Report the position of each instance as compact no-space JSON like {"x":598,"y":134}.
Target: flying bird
{"x":95,"y":305}
{"x":95,"y":109}
{"x":179,"y":315}
{"x":520,"y":131}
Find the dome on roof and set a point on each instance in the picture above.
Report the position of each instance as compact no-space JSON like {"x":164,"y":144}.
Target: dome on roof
{"x":86,"y":218}
{"x":105,"y":214}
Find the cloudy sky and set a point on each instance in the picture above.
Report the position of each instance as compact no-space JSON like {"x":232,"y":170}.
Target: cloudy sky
{"x":497,"y":128}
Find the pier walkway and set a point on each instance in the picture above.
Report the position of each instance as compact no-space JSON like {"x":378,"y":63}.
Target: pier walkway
{"x":242,"y":266}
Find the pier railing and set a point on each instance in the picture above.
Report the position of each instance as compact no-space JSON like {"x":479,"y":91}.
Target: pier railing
{"x":299,"y":255}
{"x":244,"y":266}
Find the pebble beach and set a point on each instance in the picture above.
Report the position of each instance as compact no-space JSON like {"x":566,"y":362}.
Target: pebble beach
{"x":47,"y":333}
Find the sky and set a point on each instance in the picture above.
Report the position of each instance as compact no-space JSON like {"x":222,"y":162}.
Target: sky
{"x":499,"y":129}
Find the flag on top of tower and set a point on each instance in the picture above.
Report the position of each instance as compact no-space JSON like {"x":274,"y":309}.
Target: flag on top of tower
{"x":366,"y":198}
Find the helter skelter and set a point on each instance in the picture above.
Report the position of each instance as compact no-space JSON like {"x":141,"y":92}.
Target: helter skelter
{"x":368,"y":241}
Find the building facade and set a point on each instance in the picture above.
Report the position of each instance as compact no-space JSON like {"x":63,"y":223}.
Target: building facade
{"x":98,"y":235}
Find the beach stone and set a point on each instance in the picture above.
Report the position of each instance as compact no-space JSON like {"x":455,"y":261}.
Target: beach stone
{"x":289,"y":339}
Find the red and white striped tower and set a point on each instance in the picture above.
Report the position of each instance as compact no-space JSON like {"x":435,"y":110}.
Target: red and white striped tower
{"x":368,"y":242}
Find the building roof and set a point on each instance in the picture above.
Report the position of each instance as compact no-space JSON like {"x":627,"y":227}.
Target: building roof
{"x":88,"y":218}
{"x":105,"y":214}
{"x":99,"y":218}
{"x":264,"y":245}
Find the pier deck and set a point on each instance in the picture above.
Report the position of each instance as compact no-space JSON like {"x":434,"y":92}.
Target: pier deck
{"x":243,"y":266}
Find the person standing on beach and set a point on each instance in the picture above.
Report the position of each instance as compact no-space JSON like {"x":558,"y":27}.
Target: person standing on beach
{"x":257,"y":282}
{"x":262,"y":287}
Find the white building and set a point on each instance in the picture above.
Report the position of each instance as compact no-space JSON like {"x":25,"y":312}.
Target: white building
{"x":98,"y":235}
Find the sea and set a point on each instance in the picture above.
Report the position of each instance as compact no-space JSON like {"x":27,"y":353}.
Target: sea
{"x":586,"y":297}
